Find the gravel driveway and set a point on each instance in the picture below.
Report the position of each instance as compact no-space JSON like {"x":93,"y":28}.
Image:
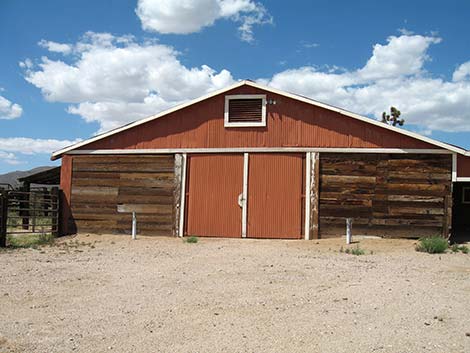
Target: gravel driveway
{"x":107,"y":293}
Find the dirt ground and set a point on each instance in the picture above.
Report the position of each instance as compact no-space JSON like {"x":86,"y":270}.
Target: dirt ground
{"x":111,"y":294}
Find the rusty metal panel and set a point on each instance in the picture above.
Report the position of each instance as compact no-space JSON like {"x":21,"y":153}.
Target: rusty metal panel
{"x":215,"y":182}
{"x":66,"y":190}
{"x":463,"y":166}
{"x":275,"y":188}
{"x":289,"y":123}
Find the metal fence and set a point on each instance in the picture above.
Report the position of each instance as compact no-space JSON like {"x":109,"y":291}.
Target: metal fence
{"x":28,"y":212}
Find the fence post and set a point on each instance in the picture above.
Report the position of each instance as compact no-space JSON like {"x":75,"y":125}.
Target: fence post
{"x":3,"y":217}
{"x":55,"y":211}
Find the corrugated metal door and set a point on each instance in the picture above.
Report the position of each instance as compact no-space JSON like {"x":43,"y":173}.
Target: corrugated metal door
{"x":275,"y":187}
{"x":215,"y":182}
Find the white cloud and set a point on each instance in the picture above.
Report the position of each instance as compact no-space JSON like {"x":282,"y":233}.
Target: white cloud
{"x":309,"y":45}
{"x":9,"y":110}
{"x":393,"y":75}
{"x":27,"y":145}
{"x":404,"y":55}
{"x":55,"y":47}
{"x":9,"y":158}
{"x":462,"y":73}
{"x":11,"y":146}
{"x":189,"y":16}
{"x":115,"y":80}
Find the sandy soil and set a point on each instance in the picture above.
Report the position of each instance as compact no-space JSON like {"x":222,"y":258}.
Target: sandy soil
{"x":108,"y":293}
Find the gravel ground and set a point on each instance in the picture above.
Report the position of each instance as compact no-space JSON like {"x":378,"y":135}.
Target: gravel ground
{"x":107,"y":293}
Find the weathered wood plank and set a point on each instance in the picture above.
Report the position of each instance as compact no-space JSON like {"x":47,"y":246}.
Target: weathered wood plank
{"x":146,"y":183}
{"x":385,"y":193}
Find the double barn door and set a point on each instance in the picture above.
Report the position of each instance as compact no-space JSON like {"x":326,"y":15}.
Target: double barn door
{"x":256,"y":195}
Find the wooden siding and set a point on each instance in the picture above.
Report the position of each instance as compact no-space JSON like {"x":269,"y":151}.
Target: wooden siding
{"x":290,"y":123}
{"x":386,"y":195}
{"x":145,"y":183}
{"x":215,"y":182}
{"x":275,"y":195}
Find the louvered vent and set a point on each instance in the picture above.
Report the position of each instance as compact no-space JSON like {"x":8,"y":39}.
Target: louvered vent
{"x":245,"y":111}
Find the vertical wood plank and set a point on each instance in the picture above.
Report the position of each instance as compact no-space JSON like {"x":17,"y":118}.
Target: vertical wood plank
{"x":447,"y":221}
{"x":314,"y":195}
{"x":177,"y":193}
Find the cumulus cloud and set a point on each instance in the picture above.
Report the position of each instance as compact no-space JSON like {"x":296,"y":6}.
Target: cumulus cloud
{"x":114,"y":80}
{"x":462,"y":73}
{"x":56,"y":47}
{"x":9,"y":110}
{"x":189,"y":16}
{"x":9,"y":158}
{"x":393,"y":76}
{"x":11,"y":146}
{"x":27,"y":145}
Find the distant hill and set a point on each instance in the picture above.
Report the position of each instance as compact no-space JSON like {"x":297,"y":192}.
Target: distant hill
{"x":12,"y":177}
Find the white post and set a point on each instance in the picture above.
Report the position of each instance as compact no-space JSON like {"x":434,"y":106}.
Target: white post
{"x":134,"y":226}
{"x":183,"y":194}
{"x":245,"y":194}
{"x":308,"y":167}
{"x":348,"y":230}
{"x":454,"y":167}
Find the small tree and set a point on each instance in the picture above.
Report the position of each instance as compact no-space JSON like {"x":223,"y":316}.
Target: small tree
{"x":393,"y":118}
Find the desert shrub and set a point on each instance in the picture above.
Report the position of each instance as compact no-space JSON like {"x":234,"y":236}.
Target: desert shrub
{"x":464,"y":249}
{"x":355,"y":251}
{"x":192,"y":240}
{"x":432,"y":245}
{"x":455,"y":248}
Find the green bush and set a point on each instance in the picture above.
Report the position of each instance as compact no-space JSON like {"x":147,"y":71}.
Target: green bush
{"x":355,"y":251}
{"x":464,"y":249}
{"x":192,"y":240}
{"x":432,"y":245}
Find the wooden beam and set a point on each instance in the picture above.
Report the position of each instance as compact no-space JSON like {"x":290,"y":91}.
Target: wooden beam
{"x":177,"y":192}
{"x":314,"y":195}
{"x":312,"y":181}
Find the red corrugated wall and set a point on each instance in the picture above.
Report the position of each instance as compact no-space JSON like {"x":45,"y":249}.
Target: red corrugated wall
{"x":289,"y":123}
{"x":463,"y":166}
{"x":275,"y":196}
{"x":215,"y":181}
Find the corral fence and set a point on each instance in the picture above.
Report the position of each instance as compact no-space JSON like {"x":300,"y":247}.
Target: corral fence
{"x":31,"y":212}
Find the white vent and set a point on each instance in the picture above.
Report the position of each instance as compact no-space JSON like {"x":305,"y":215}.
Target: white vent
{"x":245,"y":110}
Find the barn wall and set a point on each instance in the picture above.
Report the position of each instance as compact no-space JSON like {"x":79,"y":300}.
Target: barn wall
{"x":386,"y":195}
{"x":66,"y":225}
{"x":100,"y":183}
{"x":290,"y":123}
{"x":463,"y":166}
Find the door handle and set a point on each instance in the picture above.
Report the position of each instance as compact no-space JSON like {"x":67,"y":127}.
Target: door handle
{"x":241,"y":201}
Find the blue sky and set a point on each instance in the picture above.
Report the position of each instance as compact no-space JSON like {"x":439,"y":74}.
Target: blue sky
{"x":70,"y":69}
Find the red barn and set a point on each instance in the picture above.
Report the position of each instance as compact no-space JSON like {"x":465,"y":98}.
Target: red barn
{"x":257,"y":162}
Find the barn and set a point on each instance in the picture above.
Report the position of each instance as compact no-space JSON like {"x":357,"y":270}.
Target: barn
{"x":257,"y":162}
